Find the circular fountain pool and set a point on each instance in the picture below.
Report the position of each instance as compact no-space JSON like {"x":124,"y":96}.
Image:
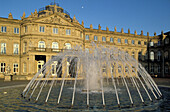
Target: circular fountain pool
{"x":13,"y":101}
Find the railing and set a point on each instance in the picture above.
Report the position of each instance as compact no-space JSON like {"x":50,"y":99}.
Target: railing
{"x":48,"y":50}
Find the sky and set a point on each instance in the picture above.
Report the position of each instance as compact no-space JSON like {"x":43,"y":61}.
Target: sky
{"x":147,"y":15}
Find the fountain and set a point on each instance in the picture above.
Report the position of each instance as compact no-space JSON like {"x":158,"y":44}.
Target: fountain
{"x":110,"y":75}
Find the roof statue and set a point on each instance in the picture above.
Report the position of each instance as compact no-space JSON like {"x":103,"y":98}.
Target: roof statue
{"x":74,"y":19}
{"x":91,"y":26}
{"x":10,"y":16}
{"x":23,"y":16}
{"x":115,"y":29}
{"x":154,"y":33}
{"x":147,"y":33}
{"x":99,"y":27}
{"x":141,"y":32}
{"x":135,"y":32}
{"x":35,"y":13}
{"x":82,"y":23}
{"x":107,"y":29}
{"x":128,"y":31}
{"x":122,"y":30}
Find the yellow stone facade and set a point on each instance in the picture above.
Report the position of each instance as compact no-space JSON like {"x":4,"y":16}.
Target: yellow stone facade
{"x":31,"y":39}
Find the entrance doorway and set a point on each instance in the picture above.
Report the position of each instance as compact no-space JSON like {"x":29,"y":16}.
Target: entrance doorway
{"x":40,"y":65}
{"x":41,"y":60}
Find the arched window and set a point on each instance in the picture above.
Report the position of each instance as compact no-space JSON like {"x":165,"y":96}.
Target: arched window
{"x":139,"y":55}
{"x":166,"y":54}
{"x":133,"y":54}
{"x":55,"y":45}
{"x":119,"y":69}
{"x":159,"y":69}
{"x":159,"y":55}
{"x":139,"y":42}
{"x":104,"y":39}
{"x":166,"y":69}
{"x":146,"y":56}
{"x":126,"y":55}
{"x":126,"y":68}
{"x":86,"y":50}
{"x":3,"y":48}
{"x":95,"y":38}
{"x":41,"y":44}
{"x":152,"y":68}
{"x":152,"y":55}
{"x":67,"y":46}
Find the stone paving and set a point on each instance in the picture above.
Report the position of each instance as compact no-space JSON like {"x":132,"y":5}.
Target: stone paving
{"x":162,"y":82}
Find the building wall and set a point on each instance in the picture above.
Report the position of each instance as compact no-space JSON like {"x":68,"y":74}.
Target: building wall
{"x":29,"y":35}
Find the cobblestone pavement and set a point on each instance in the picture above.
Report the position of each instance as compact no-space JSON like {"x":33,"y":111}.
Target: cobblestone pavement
{"x":159,"y":81}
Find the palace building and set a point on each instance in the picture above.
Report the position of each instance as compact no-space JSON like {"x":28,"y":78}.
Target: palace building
{"x":27,"y":44}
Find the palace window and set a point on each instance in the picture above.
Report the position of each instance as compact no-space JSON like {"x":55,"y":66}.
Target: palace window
{"x":112,"y":69}
{"x":145,"y":43}
{"x":3,"y":67}
{"x":86,"y":50}
{"x":126,"y":41}
{"x":146,"y":68}
{"x":24,"y":67}
{"x":3,"y":29}
{"x":133,"y":69}
{"x":126,"y":55}
{"x":152,"y":68}
{"x":167,"y":41}
{"x":119,"y":69}
{"x":95,"y":38}
{"x":159,"y":69}
{"x":55,"y":45}
{"x":159,"y":43}
{"x":16,"y":30}
{"x":42,"y":29}
{"x":133,"y":54}
{"x":3,"y":48}
{"x":126,"y":69}
{"x":119,"y":40}
{"x":146,"y":56}
{"x":111,"y":40}
{"x":151,"y":44}
{"x":159,"y":55}
{"x":87,"y":37}
{"x":152,"y":55}
{"x":67,"y":46}
{"x":104,"y":39}
{"x":104,"y":68}
{"x":25,"y":47}
{"x":41,"y":44}
{"x":139,"y":55}
{"x":68,"y":32}
{"x":166,"y":69}
{"x":15,"y":68}
{"x":139,"y":42}
{"x":16,"y":48}
{"x":55,"y":30}
{"x":26,"y":29}
{"x":133,"y":42}
{"x":166,"y":54}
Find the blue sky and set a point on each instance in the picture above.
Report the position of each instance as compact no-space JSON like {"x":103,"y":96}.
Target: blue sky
{"x":147,"y":15}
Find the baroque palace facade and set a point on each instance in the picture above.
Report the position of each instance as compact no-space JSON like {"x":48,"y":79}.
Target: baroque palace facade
{"x":27,"y":44}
